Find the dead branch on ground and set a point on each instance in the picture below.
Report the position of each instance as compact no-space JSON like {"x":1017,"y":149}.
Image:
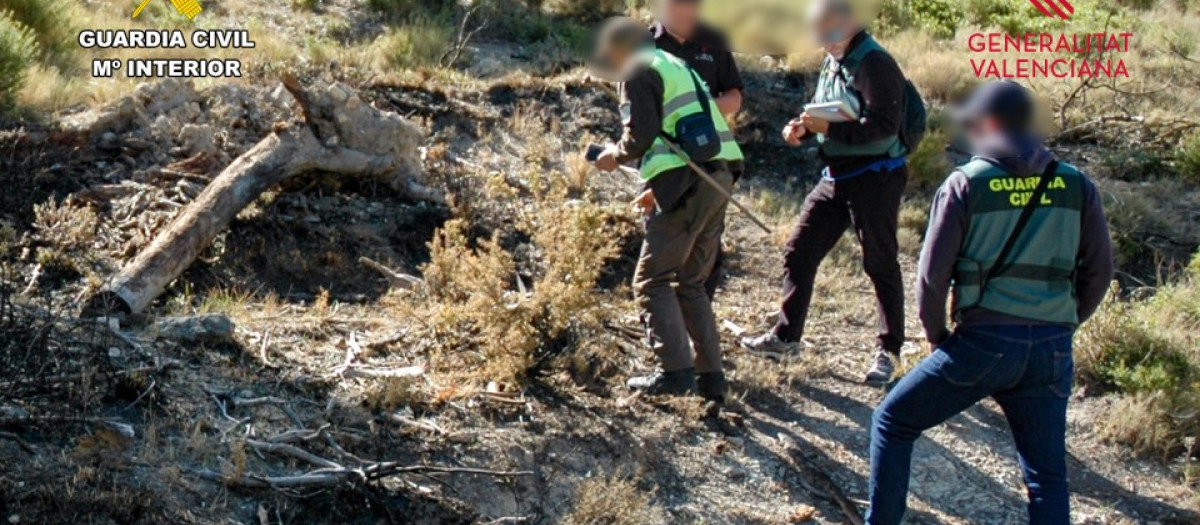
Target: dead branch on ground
{"x":824,"y":487}
{"x":339,"y":133}
{"x":333,"y":477}
{"x":399,"y":280}
{"x":461,"y":40}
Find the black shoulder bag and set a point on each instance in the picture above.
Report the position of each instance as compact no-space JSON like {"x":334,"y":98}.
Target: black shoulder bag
{"x":696,"y":134}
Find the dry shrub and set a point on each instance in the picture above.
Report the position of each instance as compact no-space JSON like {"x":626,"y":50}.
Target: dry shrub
{"x":909,"y":241}
{"x":610,"y":501}
{"x":1147,"y":350}
{"x":64,"y":226}
{"x":578,"y":170}
{"x":390,"y":394}
{"x":418,"y":43}
{"x":939,"y":70}
{"x":1157,"y":425}
{"x":67,"y":233}
{"x":494,"y":324}
{"x":755,"y":376}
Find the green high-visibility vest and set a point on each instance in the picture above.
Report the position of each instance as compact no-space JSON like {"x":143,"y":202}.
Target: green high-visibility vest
{"x":680,"y":100}
{"x":1038,"y":282}
{"x":834,"y":85}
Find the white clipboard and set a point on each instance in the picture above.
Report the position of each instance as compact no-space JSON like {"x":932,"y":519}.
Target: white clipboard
{"x":838,"y":111}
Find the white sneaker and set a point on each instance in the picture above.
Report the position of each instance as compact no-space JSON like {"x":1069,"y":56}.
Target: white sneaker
{"x":770,"y":346}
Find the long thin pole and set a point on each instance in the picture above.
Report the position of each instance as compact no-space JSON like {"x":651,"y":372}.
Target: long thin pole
{"x":716,"y":185}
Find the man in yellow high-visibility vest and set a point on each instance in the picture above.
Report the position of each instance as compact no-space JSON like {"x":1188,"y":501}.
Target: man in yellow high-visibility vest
{"x":684,"y":215}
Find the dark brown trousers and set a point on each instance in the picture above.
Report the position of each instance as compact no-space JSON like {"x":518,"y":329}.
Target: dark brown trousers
{"x":677,"y":257}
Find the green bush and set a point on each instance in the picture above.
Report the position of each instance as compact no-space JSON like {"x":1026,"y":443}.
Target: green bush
{"x":1133,"y":165}
{"x":1187,"y":160}
{"x":50,"y":21}
{"x":18,"y":50}
{"x":586,"y":10}
{"x":406,"y":9}
{"x":1120,"y":351}
{"x":1146,"y":351}
{"x":938,"y":18}
{"x":928,"y":166}
{"x":420,"y":42}
{"x":530,"y":25}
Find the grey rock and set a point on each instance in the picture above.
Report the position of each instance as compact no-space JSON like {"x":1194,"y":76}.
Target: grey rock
{"x":213,"y":328}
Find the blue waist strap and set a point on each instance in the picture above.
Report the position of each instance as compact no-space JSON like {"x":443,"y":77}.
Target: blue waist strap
{"x":874,"y":167}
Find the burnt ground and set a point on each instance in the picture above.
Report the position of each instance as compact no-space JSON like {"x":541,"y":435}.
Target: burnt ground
{"x":287,"y":272}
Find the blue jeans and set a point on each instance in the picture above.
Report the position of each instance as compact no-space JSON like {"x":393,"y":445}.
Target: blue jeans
{"x":1028,"y":370}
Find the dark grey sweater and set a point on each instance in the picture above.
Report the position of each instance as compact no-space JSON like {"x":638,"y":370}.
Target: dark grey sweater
{"x":948,"y":223}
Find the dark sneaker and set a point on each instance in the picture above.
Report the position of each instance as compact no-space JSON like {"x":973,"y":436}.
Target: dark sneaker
{"x":882,"y":369}
{"x":678,"y":383}
{"x":712,"y":386}
{"x":770,"y":346}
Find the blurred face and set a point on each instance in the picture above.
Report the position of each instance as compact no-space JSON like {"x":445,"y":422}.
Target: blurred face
{"x":981,"y":129}
{"x":618,"y":60}
{"x":831,"y":26}
{"x":680,"y":16}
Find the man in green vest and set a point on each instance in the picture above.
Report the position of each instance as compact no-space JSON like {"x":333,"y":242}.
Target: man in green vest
{"x":861,"y":187}
{"x":684,"y":216}
{"x":1022,"y":242}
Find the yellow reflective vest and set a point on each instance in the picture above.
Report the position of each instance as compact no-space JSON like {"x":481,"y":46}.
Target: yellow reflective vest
{"x":680,"y":100}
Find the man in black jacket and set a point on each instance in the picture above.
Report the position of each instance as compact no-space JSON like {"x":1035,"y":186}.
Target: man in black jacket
{"x":680,"y":32}
{"x":861,"y":186}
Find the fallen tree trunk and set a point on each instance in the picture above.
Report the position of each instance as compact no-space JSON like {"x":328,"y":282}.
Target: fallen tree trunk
{"x":339,"y":134}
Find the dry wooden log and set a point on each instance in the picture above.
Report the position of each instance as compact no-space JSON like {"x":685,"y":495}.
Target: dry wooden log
{"x":399,"y":280}
{"x":340,"y":134}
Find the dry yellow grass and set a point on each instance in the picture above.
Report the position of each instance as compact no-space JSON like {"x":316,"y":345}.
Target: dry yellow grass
{"x":610,"y":501}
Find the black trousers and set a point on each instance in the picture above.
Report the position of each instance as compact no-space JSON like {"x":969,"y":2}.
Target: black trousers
{"x":869,"y":203}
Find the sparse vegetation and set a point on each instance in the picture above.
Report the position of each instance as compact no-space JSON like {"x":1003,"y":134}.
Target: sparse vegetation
{"x":928,"y":167}
{"x":18,"y":49}
{"x":516,"y":344}
{"x":501,"y":323}
{"x":1188,"y":158}
{"x":1147,"y":351}
{"x":50,"y":22}
{"x":609,"y":501}
{"x":421,"y":42}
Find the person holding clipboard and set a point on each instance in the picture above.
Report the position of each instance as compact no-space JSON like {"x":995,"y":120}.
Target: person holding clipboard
{"x":865,"y":115}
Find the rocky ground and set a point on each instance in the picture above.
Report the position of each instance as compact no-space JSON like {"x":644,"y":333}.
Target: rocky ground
{"x":181,"y":439}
